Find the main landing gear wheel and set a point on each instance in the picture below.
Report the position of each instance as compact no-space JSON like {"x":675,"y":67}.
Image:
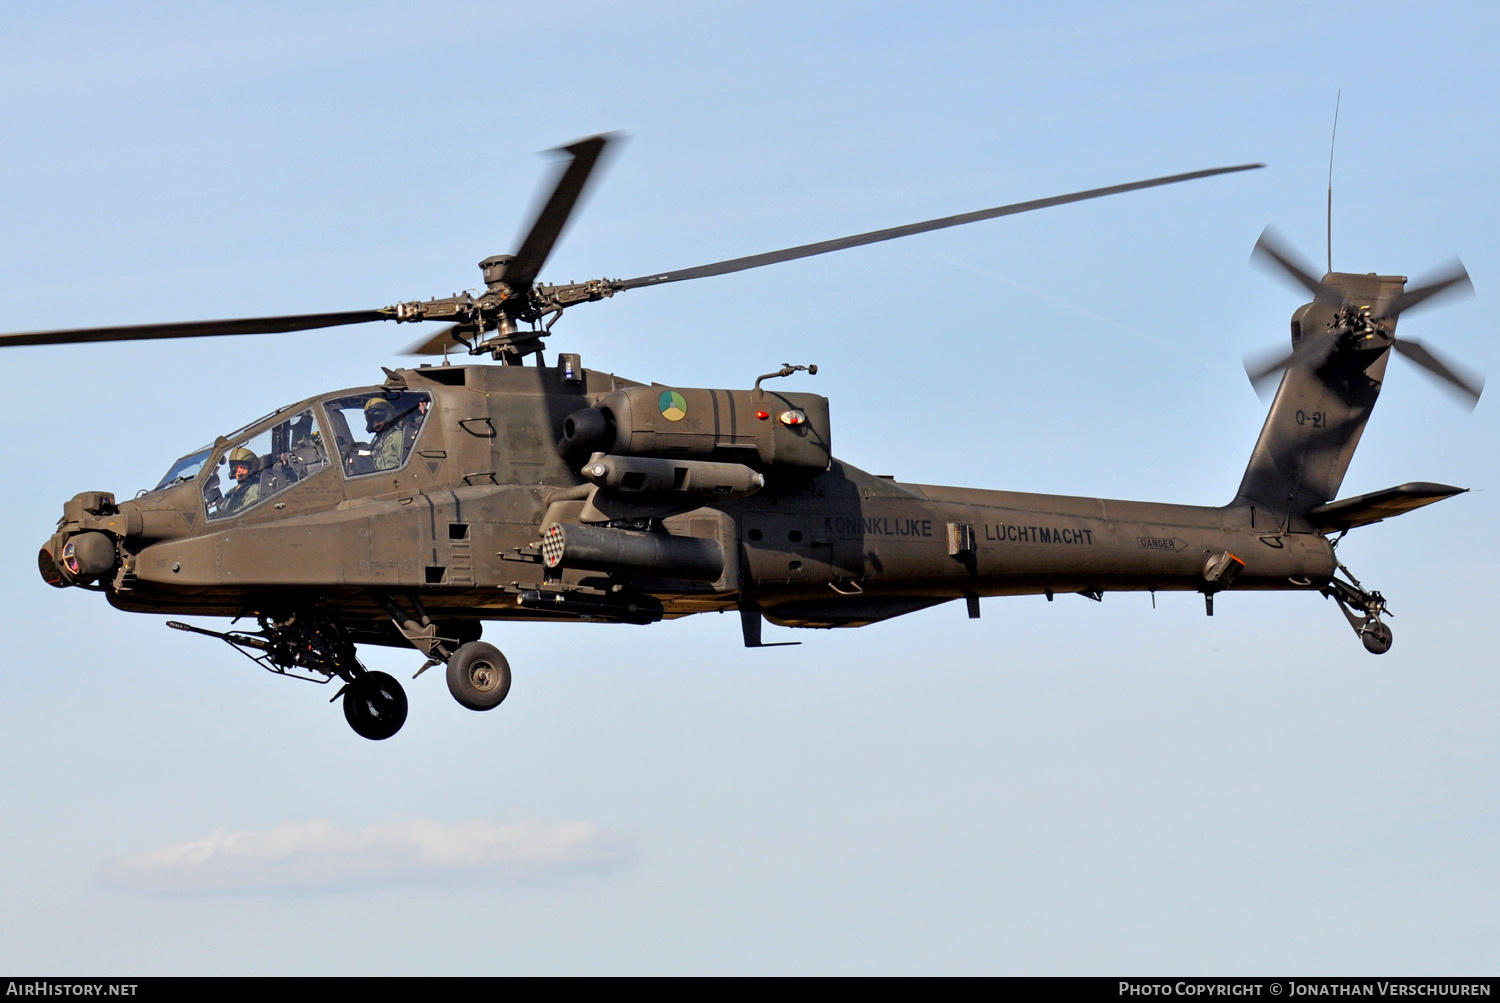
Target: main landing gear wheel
{"x":478,"y":676}
{"x":375,"y":706}
{"x":1376,"y":637}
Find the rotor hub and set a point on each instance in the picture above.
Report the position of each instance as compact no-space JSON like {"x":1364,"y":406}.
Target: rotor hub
{"x":494,"y":268}
{"x":1358,"y":328}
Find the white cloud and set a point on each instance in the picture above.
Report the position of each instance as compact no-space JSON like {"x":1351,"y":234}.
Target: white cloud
{"x":319,"y":855}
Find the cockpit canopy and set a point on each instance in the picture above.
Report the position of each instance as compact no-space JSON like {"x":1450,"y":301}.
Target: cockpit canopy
{"x":364,"y":432}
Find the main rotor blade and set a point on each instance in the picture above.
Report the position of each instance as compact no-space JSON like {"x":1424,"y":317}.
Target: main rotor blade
{"x":549,"y":223}
{"x":1467,"y":385}
{"x":875,"y":236}
{"x":1311,"y":352}
{"x":1455,"y":278}
{"x":1270,"y":248}
{"x":439,"y":343}
{"x":198,"y":328}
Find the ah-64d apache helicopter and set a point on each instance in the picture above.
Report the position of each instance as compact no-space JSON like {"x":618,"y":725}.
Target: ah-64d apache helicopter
{"x":411,"y":512}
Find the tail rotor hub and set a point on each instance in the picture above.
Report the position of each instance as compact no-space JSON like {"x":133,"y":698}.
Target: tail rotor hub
{"x":1358,"y":329}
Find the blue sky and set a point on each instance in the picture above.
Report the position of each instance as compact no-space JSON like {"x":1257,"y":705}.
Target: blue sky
{"x":1065,"y":788}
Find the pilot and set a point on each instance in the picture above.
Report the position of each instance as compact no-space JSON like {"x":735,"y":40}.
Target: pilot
{"x":386,"y":447}
{"x":244,"y":467}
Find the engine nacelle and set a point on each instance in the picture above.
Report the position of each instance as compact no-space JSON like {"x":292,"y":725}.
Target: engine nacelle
{"x":762,"y":429}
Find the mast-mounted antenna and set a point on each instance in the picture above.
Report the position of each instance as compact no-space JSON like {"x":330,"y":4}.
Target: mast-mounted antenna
{"x":1331,"y":141}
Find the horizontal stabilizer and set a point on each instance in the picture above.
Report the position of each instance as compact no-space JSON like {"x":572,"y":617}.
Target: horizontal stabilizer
{"x":1362,"y":510}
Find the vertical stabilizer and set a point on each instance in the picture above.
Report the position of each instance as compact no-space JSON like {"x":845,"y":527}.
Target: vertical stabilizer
{"x":1324,"y":400}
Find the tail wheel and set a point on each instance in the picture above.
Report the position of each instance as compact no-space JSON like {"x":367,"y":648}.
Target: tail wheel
{"x":478,"y":676}
{"x":1376,"y":637}
{"x":375,"y":706}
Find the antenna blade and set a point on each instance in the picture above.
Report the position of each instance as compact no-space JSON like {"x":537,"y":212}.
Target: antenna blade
{"x":549,"y":222}
{"x":875,"y":236}
{"x":1466,"y":385}
{"x":198,"y":328}
{"x":1332,"y":141}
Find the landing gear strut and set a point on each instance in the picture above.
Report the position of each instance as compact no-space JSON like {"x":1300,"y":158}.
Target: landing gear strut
{"x":1363,"y":610}
{"x":478,"y":674}
{"x":317,"y":649}
{"x":303,"y":646}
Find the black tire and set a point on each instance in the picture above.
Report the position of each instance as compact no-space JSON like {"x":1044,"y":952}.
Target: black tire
{"x":1376,"y":637}
{"x":478,"y":676}
{"x":375,"y":706}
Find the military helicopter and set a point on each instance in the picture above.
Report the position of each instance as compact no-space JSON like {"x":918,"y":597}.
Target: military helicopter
{"x":411,"y":512}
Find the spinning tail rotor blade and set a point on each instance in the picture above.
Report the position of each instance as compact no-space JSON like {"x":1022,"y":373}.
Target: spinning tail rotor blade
{"x":1270,"y":249}
{"x":1311,"y":352}
{"x":1454,"y":278}
{"x":1463,"y":383}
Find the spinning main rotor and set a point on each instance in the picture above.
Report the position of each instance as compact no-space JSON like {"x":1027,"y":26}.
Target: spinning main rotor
{"x":511,"y":316}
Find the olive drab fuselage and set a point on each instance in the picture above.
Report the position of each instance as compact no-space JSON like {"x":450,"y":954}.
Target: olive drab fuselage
{"x":667,"y":501}
{"x":411,"y":512}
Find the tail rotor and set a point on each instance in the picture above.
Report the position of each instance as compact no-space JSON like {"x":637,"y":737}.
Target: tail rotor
{"x":1344,"y":319}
